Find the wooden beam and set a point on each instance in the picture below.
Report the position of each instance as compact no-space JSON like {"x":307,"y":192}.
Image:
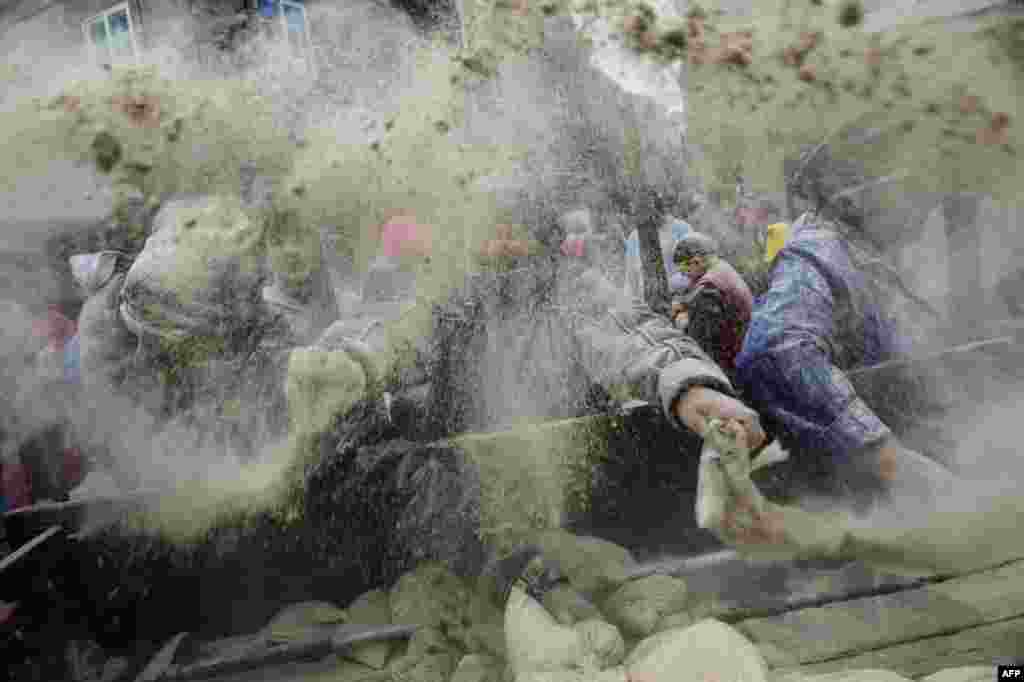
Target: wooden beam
{"x":158,"y":665}
{"x":835,"y":589}
{"x":17,"y":555}
{"x":984,"y":645}
{"x":849,"y":628}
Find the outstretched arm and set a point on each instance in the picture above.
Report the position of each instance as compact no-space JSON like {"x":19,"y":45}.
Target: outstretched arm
{"x":741,"y":517}
{"x":622,"y":344}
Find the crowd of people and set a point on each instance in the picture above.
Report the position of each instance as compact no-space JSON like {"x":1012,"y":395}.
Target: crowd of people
{"x":770,"y":354}
{"x":775,"y":365}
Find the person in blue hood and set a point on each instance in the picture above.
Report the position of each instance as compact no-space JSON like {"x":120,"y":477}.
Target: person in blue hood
{"x":835,"y":305}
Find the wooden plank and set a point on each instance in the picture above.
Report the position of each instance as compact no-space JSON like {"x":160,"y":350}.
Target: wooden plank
{"x":986,"y":645}
{"x":227,"y":645}
{"x":851,"y":627}
{"x":126,"y":499}
{"x":1002,"y":343}
{"x":810,"y":592}
{"x":683,"y":566}
{"x":311,"y":648}
{"x":163,"y":659}
{"x":785,"y":586}
{"x":29,"y":547}
{"x":100,"y":512}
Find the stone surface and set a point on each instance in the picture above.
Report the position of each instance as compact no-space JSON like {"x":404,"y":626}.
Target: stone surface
{"x":487,"y":639}
{"x":427,"y":668}
{"x":569,"y":607}
{"x":707,"y":650}
{"x":592,"y":565}
{"x":330,"y":669}
{"x":601,"y":643}
{"x":681,"y":619}
{"x":617,"y":674}
{"x":638,"y":606}
{"x":431,"y":596}
{"x":371,"y":608}
{"x":478,"y":668}
{"x":302,"y":620}
{"x":428,"y":641}
{"x":535,"y":640}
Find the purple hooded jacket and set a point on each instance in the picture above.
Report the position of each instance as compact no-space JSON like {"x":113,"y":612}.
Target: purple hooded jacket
{"x":819,"y":319}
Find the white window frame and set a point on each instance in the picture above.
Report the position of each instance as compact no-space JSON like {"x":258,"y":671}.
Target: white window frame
{"x":307,"y":48}
{"x":105,"y":16}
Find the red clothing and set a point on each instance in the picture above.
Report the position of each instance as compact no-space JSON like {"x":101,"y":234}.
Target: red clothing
{"x":55,"y":328}
{"x":403,"y":236}
{"x":16,"y":484}
{"x":751,"y":216}
{"x":16,"y":478}
{"x":73,"y":468}
{"x":574,"y":247}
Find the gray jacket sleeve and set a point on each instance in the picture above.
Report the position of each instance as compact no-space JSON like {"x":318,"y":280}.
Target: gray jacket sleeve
{"x":621,"y":343}
{"x":107,"y":346}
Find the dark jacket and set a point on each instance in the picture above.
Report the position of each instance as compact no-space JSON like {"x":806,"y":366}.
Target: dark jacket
{"x":719,"y":306}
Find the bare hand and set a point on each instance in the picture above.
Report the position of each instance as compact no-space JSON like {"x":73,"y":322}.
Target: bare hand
{"x":898,"y":468}
{"x":888,"y":457}
{"x":699,"y":404}
{"x":745,"y":526}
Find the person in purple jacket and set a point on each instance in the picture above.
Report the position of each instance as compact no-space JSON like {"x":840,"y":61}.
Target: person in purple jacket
{"x":834,"y":305}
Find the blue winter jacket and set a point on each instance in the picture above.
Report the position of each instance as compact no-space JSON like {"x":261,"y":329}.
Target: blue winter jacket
{"x":819,"y":319}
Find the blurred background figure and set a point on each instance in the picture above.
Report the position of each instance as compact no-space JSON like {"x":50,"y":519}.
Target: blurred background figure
{"x":672,"y":230}
{"x":58,"y":359}
{"x":405,"y":243}
{"x":1010,"y":288}
{"x":775,"y":238}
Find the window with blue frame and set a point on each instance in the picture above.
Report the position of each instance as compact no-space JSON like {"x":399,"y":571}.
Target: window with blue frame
{"x":111,"y":36}
{"x":294,"y":24}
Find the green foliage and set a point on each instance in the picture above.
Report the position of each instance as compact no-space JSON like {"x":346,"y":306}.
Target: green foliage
{"x":851,"y":13}
{"x":533,"y":475}
{"x":293,"y":245}
{"x":221,"y":227}
{"x":178,"y":356}
{"x":417,"y":166}
{"x":155,"y":135}
{"x":106,"y":151}
{"x":1008,"y":38}
{"x":907,"y":83}
{"x":811,"y":71}
{"x":506,"y":27}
